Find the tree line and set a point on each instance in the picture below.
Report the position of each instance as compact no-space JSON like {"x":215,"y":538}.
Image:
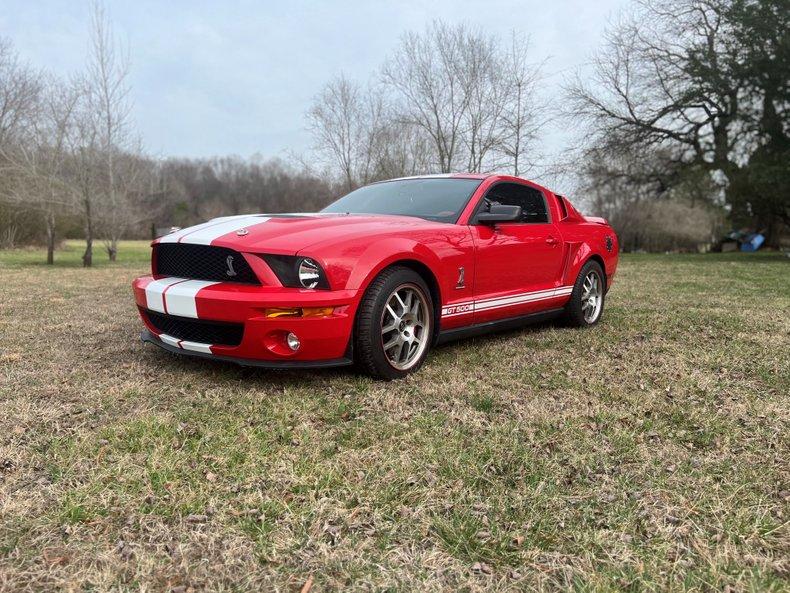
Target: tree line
{"x":683,"y":121}
{"x":68,"y":145}
{"x":72,"y":165}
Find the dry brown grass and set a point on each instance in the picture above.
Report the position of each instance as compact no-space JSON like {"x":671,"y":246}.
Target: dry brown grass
{"x":648,"y":453}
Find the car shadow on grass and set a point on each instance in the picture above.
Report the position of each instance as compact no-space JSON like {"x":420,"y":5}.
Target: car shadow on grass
{"x":223,"y":370}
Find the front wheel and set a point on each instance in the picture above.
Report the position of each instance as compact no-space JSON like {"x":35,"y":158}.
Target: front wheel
{"x":394,"y":325}
{"x":587,"y":299}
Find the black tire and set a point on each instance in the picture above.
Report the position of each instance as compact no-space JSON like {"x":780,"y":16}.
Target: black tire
{"x":575,"y":313}
{"x":368,"y":344}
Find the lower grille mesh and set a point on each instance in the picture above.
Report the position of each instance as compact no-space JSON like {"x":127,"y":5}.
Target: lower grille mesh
{"x":197,"y":330}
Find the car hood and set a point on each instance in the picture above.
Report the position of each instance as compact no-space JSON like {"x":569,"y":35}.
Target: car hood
{"x":289,"y":234}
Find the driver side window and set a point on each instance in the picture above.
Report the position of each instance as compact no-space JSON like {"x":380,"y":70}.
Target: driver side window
{"x":533,"y":205}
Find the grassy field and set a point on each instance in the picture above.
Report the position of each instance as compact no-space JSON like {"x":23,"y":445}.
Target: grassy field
{"x":650,"y":453}
{"x":131,"y":253}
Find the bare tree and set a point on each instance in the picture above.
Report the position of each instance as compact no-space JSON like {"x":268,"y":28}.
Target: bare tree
{"x":347,"y":124}
{"x":643,"y":92}
{"x":87,"y":166}
{"x":20,"y":88}
{"x":39,"y":163}
{"x":69,"y":153}
{"x":486,"y":88}
{"x":334,"y":120}
{"x":451,"y":99}
{"x":523,"y":114}
{"x":428,"y":74}
{"x":20,"y":105}
{"x":53,"y":154}
{"x":107,"y":78}
{"x":403,"y":150}
{"x":704,"y":81}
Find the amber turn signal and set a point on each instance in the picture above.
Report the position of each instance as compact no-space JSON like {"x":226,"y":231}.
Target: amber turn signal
{"x":300,"y":312}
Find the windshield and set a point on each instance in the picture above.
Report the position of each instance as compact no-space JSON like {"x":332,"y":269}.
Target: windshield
{"x":441,"y":199}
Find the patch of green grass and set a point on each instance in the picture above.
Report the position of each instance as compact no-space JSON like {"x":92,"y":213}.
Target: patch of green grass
{"x":485,"y":404}
{"x":69,"y":255}
{"x":647,"y":453}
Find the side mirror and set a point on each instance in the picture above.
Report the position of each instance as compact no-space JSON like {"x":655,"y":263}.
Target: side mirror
{"x":500,"y":213}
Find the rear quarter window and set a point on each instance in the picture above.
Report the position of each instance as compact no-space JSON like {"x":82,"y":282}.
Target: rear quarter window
{"x":563,"y":207}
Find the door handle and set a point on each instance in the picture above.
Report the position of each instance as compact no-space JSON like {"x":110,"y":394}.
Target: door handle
{"x":551,"y":240}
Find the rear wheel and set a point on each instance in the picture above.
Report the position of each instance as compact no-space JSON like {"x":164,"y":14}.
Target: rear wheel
{"x":394,"y":325}
{"x":587,"y":299}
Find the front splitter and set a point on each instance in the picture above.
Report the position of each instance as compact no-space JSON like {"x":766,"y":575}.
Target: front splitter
{"x":147,"y":336}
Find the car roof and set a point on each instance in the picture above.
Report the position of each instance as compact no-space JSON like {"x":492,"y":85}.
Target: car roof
{"x":503,"y":176}
{"x":441,"y":176}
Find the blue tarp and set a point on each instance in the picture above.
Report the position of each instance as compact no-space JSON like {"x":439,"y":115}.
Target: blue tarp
{"x":752,"y":242}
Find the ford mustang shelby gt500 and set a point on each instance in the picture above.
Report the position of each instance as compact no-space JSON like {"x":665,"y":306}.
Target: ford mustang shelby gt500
{"x":377,"y":277}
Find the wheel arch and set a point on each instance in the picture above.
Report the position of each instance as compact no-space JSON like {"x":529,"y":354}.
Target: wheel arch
{"x":433,"y":286}
{"x":579,"y":258}
{"x":424,"y":271}
{"x":597,"y":258}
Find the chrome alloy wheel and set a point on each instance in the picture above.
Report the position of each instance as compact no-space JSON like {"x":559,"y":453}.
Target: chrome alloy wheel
{"x":592,"y":297}
{"x":405,"y":326}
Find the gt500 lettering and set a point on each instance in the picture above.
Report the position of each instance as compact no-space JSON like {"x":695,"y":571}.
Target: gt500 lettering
{"x":459,"y":308}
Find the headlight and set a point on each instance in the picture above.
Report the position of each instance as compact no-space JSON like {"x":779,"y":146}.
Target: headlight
{"x":297,"y":272}
{"x":309,"y":273}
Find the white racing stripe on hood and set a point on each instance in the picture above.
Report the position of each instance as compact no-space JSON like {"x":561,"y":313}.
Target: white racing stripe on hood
{"x":207,"y":234}
{"x":175,"y":236}
{"x":185,"y":235}
{"x":180,"y":298}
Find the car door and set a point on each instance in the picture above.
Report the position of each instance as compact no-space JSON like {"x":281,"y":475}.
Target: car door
{"x":518,"y":265}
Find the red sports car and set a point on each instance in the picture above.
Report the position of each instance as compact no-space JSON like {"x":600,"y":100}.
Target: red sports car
{"x":377,"y":277}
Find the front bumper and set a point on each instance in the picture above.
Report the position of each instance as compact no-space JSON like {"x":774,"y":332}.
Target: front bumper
{"x":147,"y":336}
{"x":324,"y":340}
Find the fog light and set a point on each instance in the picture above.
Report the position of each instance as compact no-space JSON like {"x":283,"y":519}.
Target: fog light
{"x":292,"y":341}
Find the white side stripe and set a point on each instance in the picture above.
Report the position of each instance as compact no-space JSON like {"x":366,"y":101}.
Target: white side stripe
{"x":180,"y":298}
{"x":512,"y":301}
{"x":493,"y":302}
{"x":499,"y":302}
{"x":154,"y":293}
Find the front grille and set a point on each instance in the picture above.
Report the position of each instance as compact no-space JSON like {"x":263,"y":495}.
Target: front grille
{"x":197,"y":330}
{"x":202,"y":262}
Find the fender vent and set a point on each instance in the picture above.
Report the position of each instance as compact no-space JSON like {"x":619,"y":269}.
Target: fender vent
{"x":609,"y":242}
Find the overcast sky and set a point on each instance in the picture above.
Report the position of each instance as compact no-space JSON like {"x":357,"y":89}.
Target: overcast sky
{"x":235,"y":77}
